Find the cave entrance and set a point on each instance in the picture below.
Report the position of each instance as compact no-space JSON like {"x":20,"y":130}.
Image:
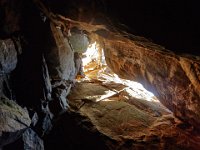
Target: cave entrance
{"x":96,"y":70}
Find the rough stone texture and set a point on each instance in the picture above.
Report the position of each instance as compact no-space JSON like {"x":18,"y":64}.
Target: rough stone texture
{"x":28,"y":141}
{"x":60,"y":57}
{"x":174,"y":79}
{"x":8,"y":56}
{"x":59,"y":103}
{"x":46,"y":79}
{"x":79,"y":42}
{"x":32,"y":141}
{"x":8,"y":62}
{"x":14,"y":120}
{"x":123,"y":122}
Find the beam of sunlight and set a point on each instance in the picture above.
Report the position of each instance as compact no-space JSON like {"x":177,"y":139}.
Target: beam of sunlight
{"x":102,"y":97}
{"x":135,"y":89}
{"x":90,"y":54}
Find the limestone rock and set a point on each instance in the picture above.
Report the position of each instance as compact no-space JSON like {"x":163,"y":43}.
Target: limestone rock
{"x":28,"y":141}
{"x":8,"y":62}
{"x":46,"y":79}
{"x":123,"y":124}
{"x":59,"y":103}
{"x":60,"y":56}
{"x":172,"y":78}
{"x":79,"y":42}
{"x":8,"y":56}
{"x":14,"y":120}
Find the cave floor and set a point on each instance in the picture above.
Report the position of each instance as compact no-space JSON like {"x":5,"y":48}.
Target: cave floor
{"x":132,"y":123}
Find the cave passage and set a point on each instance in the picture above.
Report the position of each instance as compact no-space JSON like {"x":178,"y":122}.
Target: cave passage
{"x":95,"y":67}
{"x":77,"y":74}
{"x":119,"y":109}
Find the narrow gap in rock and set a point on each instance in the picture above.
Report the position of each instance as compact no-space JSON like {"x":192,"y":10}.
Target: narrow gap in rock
{"x":95,"y":70}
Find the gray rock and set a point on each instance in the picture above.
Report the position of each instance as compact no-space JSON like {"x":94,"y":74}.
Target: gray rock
{"x":28,"y":141}
{"x":46,"y":79}
{"x":79,"y":42}
{"x":60,"y":57}
{"x":14,"y":120}
{"x":59,"y":104}
{"x":32,"y":141}
{"x":8,"y":56}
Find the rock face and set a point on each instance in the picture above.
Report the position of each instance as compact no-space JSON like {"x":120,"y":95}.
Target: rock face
{"x":8,"y":62}
{"x":28,"y":141}
{"x":8,"y":56}
{"x":14,"y":120}
{"x":174,"y":79}
{"x":105,"y":116}
{"x":121,"y":121}
{"x":60,"y":57}
{"x":79,"y":41}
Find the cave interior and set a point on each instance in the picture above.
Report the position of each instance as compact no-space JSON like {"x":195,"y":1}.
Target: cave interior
{"x":99,"y":74}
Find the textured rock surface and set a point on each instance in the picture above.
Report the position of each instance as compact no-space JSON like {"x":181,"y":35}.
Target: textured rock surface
{"x":106,"y":118}
{"x":79,"y":42}
{"x":14,"y":120}
{"x":122,"y":122}
{"x":28,"y":141}
{"x":8,"y":62}
{"x":174,"y":79}
{"x":60,"y":56}
{"x":8,"y":56}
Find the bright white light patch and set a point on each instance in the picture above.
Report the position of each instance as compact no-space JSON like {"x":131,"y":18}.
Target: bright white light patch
{"x":135,"y":89}
{"x":104,"y":97}
{"x":90,"y":54}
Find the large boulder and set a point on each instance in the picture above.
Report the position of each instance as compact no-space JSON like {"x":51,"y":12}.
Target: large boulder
{"x":60,"y":56}
{"x":79,"y":42}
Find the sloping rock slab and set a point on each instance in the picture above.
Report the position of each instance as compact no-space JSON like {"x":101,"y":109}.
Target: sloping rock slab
{"x":127,"y":126}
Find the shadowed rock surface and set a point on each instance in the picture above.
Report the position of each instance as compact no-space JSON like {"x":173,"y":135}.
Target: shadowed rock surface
{"x":14,"y":121}
{"x":50,"y":101}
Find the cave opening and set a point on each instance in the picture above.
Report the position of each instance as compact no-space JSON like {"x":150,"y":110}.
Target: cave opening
{"x":95,"y":68}
{"x":68,"y":72}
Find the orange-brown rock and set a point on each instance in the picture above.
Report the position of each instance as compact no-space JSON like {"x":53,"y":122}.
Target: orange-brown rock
{"x":174,"y":79}
{"x":124,"y":122}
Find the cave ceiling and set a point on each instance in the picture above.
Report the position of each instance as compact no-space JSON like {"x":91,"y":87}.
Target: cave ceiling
{"x":171,"y":24}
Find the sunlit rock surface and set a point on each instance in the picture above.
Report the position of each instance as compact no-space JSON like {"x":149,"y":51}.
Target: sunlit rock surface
{"x":104,"y":114}
{"x":174,"y":79}
{"x":125,"y":121}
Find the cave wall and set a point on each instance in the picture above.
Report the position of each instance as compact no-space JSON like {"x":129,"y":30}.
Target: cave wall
{"x":36,"y":71}
{"x":37,"y":66}
{"x":172,"y":78}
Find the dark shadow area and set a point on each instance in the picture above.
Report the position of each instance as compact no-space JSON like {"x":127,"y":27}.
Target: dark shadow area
{"x":72,"y":132}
